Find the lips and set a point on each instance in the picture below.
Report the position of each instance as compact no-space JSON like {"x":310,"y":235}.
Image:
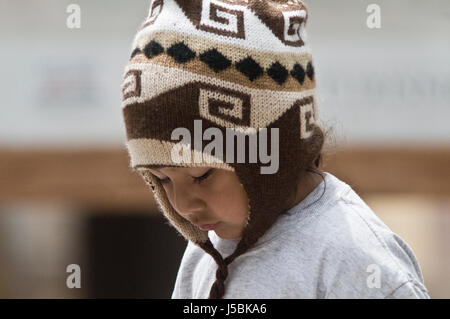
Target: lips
{"x":208,"y":226}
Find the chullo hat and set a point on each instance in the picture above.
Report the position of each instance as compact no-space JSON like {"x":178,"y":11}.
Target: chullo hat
{"x":239,"y":65}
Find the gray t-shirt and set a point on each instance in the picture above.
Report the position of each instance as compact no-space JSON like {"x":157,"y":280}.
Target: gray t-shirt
{"x":334,"y":247}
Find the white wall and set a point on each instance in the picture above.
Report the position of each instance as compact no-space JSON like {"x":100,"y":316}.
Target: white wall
{"x":61,"y":86}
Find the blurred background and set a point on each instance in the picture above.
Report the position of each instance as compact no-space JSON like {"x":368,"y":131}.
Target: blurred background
{"x":67,"y":195}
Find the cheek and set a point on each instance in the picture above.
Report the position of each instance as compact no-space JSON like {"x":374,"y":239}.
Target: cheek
{"x":230,"y":202}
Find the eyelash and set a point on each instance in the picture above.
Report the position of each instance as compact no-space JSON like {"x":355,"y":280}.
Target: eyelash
{"x":196,"y":179}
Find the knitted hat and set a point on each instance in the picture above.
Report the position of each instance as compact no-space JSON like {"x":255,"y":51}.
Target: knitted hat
{"x":240,"y":65}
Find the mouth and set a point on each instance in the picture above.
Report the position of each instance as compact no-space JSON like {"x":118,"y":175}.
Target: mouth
{"x":208,"y":226}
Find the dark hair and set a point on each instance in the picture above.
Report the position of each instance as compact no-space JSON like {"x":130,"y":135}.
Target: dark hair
{"x":316,"y":170}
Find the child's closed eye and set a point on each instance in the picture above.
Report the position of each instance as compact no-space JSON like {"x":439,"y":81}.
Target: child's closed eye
{"x":204,"y":176}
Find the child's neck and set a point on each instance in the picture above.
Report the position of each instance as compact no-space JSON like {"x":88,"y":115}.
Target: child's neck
{"x":305,"y":186}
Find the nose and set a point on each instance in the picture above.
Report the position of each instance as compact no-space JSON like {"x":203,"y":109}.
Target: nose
{"x":188,"y":204}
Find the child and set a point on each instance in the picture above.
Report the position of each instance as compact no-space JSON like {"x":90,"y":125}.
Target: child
{"x":257,"y":226}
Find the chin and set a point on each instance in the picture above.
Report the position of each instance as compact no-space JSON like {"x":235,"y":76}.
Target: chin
{"x":226,"y":235}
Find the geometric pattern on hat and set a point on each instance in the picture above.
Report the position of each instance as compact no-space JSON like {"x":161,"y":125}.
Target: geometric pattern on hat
{"x":253,"y":23}
{"x":220,"y":59}
{"x":167,"y":82}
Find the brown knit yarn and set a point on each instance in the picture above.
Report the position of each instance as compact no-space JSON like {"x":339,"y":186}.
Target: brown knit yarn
{"x":218,"y":287}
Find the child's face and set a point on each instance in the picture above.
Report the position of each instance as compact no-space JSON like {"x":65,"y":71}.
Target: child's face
{"x":206,"y":195}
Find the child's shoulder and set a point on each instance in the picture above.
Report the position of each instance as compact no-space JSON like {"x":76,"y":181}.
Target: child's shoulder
{"x":343,"y":218}
{"x":352,"y":242}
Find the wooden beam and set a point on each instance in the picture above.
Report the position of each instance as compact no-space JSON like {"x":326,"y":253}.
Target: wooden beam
{"x":93,"y":178}
{"x":391,"y":170}
{"x":102,"y":178}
